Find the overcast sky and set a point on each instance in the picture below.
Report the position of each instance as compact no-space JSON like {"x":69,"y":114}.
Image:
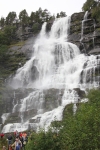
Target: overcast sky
{"x":53,"y":6}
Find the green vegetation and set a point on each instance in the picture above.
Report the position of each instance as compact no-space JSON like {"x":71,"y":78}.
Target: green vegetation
{"x":20,"y":43}
{"x":3,"y":142}
{"x":10,"y":25}
{"x":3,"y":53}
{"x":23,"y":16}
{"x":10,"y":18}
{"x":61,"y":14}
{"x":36,"y":27}
{"x":94,"y":7}
{"x":76,"y":132}
{"x":7,"y":35}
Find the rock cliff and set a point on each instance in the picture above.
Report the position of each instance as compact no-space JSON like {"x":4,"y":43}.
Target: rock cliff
{"x":85,"y":33}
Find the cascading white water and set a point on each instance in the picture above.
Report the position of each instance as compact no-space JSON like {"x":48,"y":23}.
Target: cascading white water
{"x":51,"y":55}
{"x":58,"y":65}
{"x":89,"y":71}
{"x":82,"y":29}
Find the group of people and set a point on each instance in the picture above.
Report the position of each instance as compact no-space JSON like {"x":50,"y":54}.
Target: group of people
{"x":16,"y":142}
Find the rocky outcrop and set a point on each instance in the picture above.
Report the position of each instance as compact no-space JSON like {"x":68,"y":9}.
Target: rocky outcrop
{"x":85,"y":33}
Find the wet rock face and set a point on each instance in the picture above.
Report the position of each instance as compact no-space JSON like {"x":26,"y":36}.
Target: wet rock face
{"x":91,"y":73}
{"x":77,"y":17}
{"x":52,"y":98}
{"x":10,"y":98}
{"x":80,"y":92}
{"x":34,"y":73}
{"x":85,"y":33}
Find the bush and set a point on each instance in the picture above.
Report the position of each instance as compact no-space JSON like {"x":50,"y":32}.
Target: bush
{"x":79,"y":132}
{"x":94,"y":7}
{"x":7,"y":35}
{"x":36,"y":27}
{"x":3,"y":53}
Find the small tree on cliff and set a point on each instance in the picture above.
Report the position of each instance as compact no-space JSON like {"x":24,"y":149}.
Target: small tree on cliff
{"x":32,"y":18}
{"x":23,"y":17}
{"x":88,"y":5}
{"x":94,"y":7}
{"x":10,"y":18}
{"x":61,"y":14}
{"x":2,"y":22}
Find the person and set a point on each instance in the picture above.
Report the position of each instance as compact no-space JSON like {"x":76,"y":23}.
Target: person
{"x":2,"y":135}
{"x":22,"y":140}
{"x":10,"y":138}
{"x":17,"y":144}
{"x":20,"y":134}
{"x":3,"y":148}
{"x":16,"y":133}
{"x":10,"y":147}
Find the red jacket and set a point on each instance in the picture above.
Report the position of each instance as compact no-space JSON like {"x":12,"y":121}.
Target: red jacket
{"x":2,"y":135}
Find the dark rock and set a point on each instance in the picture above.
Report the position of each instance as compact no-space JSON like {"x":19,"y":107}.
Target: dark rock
{"x":89,"y":38}
{"x":95,"y":51}
{"x":34,"y":73}
{"x":77,"y":17}
{"x":52,"y":98}
{"x":49,"y":25}
{"x":80,"y":92}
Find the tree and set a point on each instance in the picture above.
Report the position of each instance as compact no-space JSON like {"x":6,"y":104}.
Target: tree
{"x":89,"y":4}
{"x":32,"y":17}
{"x":58,"y":15}
{"x":8,"y":35}
{"x":94,"y":7}
{"x":45,"y":15}
{"x":61,"y":14}
{"x":10,"y":18}
{"x":2,"y":22}
{"x":38,"y":16}
{"x":23,"y":17}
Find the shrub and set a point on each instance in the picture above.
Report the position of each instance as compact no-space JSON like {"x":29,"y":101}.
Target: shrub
{"x":79,"y":132}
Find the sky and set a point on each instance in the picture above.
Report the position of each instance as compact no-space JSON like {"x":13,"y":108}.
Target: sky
{"x":53,"y":6}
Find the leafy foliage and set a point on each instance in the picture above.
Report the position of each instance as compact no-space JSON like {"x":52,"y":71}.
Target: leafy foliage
{"x":3,"y":142}
{"x":3,"y":53}
{"x":10,"y":18}
{"x":36,"y":27}
{"x":88,"y":4}
{"x":7,"y":35}
{"x":23,"y":16}
{"x":61,"y":14}
{"x":76,"y":132}
{"x":2,"y":22}
{"x":94,"y":7}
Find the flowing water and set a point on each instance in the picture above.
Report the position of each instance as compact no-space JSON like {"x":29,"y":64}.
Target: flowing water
{"x":55,"y":64}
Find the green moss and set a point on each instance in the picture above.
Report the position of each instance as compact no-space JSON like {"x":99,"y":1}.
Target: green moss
{"x":75,"y":28}
{"x":20,"y":43}
{"x":68,"y":111}
{"x":98,"y":29}
{"x":3,"y":142}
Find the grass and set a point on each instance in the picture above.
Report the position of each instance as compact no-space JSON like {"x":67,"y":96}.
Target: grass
{"x":20,"y":43}
{"x":3,"y":142}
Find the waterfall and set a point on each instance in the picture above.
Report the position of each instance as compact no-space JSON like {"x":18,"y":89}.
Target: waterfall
{"x":90,"y":74}
{"x":82,"y":30}
{"x":51,"y":56}
{"x":55,"y":64}
{"x":94,"y":34}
